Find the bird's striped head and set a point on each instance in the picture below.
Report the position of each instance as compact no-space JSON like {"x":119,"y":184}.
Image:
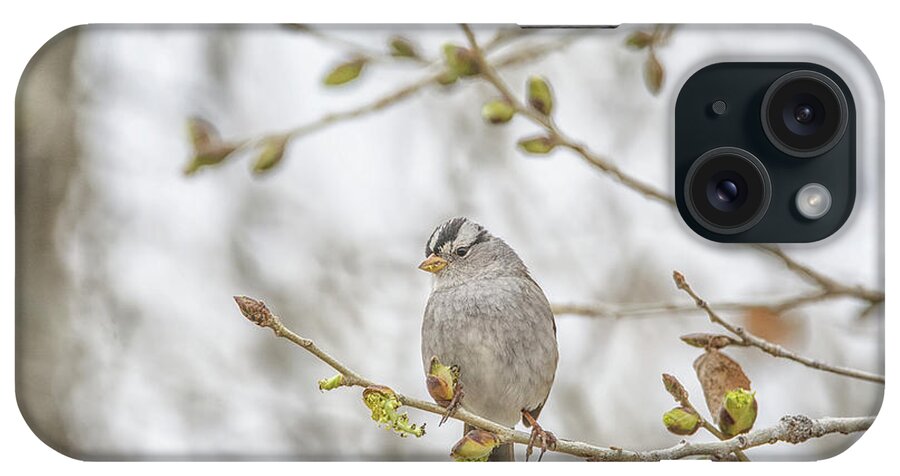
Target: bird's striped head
{"x":460,"y":249}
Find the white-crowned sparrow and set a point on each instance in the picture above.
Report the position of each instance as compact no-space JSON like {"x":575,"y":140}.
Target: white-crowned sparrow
{"x":487,"y":316}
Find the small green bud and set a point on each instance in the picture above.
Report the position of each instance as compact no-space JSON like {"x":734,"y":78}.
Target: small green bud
{"x":383,"y":403}
{"x":441,"y":381}
{"x":539,"y":95}
{"x":211,"y":155}
{"x":271,"y":155}
{"x":681,"y":421}
{"x":402,"y":48}
{"x":476,"y":445}
{"x":202,"y":132}
{"x":738,"y":412}
{"x":331,"y":383}
{"x":461,"y":60}
{"x":498,"y":111}
{"x":208,"y":147}
{"x":653,"y":73}
{"x":447,"y":77}
{"x":344,"y":73}
{"x":639,"y":40}
{"x":537,"y":144}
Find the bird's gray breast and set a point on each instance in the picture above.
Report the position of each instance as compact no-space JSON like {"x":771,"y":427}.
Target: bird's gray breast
{"x":500,"y":333}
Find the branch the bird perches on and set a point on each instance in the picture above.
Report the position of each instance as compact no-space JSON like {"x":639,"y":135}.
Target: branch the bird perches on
{"x":792,"y":429}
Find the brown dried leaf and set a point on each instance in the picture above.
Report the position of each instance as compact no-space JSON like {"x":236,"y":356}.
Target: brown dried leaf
{"x":718,"y":374}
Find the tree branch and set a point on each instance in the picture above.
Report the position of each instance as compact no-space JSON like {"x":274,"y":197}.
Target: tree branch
{"x":769,"y":347}
{"x":792,"y":429}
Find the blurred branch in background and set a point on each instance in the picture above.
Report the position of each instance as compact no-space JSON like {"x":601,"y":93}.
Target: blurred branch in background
{"x":792,"y":429}
{"x":750,"y":340}
{"x":670,"y":308}
{"x":667,"y":308}
{"x":209,"y":153}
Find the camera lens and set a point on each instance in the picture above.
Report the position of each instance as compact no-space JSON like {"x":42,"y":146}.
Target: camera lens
{"x":804,"y":113}
{"x":727,"y":190}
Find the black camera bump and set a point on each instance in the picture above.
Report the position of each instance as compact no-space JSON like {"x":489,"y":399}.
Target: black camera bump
{"x":750,"y":141}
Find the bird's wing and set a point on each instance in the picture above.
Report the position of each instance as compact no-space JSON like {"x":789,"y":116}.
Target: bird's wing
{"x":536,"y":412}
{"x":552,"y":317}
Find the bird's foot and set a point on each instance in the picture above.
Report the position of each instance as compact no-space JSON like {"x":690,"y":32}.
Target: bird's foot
{"x":543,"y":438}
{"x":454,"y":403}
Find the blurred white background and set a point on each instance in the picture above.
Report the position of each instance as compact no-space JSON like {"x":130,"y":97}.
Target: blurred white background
{"x":128,"y":342}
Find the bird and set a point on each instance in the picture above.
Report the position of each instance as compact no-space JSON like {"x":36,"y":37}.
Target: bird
{"x":488,"y":318}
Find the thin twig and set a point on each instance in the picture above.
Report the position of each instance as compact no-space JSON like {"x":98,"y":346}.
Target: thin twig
{"x":769,"y":347}
{"x":489,"y":74}
{"x":792,"y":429}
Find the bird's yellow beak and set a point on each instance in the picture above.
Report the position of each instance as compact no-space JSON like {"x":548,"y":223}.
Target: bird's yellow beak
{"x":433,"y":264}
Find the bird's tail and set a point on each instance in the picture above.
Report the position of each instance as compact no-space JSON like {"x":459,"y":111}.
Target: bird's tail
{"x":503,"y":452}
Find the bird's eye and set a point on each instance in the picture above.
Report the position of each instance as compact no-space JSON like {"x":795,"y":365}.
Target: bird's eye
{"x":462,"y":251}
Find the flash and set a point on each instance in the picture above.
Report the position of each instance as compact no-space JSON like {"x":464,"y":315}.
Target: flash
{"x":813,"y":201}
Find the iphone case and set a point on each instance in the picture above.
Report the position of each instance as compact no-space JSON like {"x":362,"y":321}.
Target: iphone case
{"x":162,"y":170}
